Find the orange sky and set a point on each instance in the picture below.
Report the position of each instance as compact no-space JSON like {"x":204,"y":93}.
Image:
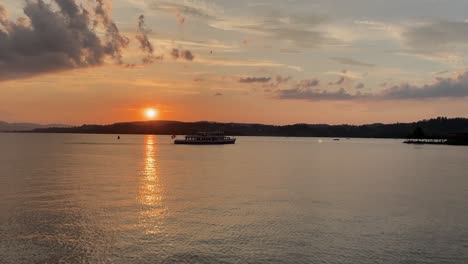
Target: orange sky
{"x":238,"y":64}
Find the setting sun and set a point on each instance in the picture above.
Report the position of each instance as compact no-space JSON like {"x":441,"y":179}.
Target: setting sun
{"x":151,"y":113}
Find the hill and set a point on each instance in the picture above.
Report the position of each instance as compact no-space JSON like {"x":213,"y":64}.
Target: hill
{"x":10,"y":127}
{"x":437,"y":127}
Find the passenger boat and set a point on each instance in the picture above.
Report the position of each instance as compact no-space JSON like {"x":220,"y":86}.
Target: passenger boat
{"x":206,"y":138}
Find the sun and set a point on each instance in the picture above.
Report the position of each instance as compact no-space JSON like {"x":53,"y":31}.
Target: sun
{"x":151,"y":113}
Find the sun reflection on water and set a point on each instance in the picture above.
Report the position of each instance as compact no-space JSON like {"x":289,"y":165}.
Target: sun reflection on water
{"x":151,"y":191}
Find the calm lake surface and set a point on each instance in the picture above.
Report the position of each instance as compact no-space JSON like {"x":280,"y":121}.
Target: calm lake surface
{"x":141,"y":199}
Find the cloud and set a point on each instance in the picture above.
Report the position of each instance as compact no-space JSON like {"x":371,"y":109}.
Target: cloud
{"x":456,"y":87}
{"x":436,"y":41}
{"x":441,"y":88}
{"x":308,"y":83}
{"x":446,"y":57}
{"x":115,"y":42}
{"x":246,"y":63}
{"x":315,"y":94}
{"x":309,"y":90}
{"x":184,"y":54}
{"x":351,"y":62}
{"x":436,"y":35}
{"x":204,"y":46}
{"x":145,"y":45}
{"x":54,"y":40}
{"x":192,"y":8}
{"x":295,"y":29}
{"x":187,"y":54}
{"x":255,"y":80}
{"x":292,"y":51}
{"x":340,"y":81}
{"x":298,"y":29}
{"x":218,"y":94}
{"x":279,"y":80}
{"x":360,"y":86}
{"x":348,"y":74}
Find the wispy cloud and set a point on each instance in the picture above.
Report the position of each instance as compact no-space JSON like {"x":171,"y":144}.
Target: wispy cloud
{"x":439,"y":41}
{"x":348,"y":74}
{"x":192,"y":8}
{"x":360,"y":86}
{"x":351,"y":62}
{"x":298,"y":29}
{"x":437,"y":35}
{"x":255,"y":80}
{"x":246,"y":63}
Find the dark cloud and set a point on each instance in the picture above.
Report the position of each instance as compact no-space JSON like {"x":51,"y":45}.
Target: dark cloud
{"x":308,"y":83}
{"x":442,"y":88}
{"x":255,"y":80}
{"x":351,"y":62}
{"x":145,"y":45}
{"x":187,"y":54}
{"x":184,"y":54}
{"x":360,"y":86}
{"x":175,"y":53}
{"x":218,"y":94}
{"x":56,"y":40}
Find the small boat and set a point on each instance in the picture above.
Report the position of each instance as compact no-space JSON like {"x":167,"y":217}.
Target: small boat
{"x":206,"y":138}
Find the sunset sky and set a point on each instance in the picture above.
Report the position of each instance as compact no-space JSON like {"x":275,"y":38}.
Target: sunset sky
{"x":275,"y":62}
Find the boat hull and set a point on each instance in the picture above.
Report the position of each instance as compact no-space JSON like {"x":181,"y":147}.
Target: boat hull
{"x":194,"y":142}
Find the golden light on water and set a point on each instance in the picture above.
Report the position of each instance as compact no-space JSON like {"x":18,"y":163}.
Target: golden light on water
{"x":151,"y":191}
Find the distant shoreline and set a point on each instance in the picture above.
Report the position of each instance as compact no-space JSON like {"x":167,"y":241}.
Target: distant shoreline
{"x":436,"y":128}
{"x":155,"y":134}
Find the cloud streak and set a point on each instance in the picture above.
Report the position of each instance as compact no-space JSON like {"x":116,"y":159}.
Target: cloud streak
{"x":351,"y":62}
{"x":315,"y":94}
{"x":255,"y":80}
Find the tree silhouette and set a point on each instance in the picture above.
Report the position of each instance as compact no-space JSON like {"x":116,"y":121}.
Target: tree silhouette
{"x":418,"y":133}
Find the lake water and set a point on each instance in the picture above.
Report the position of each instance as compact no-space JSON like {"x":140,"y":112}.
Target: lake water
{"x":95,"y":199}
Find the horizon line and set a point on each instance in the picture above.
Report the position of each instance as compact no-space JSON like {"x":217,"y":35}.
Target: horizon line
{"x":231,"y":122}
